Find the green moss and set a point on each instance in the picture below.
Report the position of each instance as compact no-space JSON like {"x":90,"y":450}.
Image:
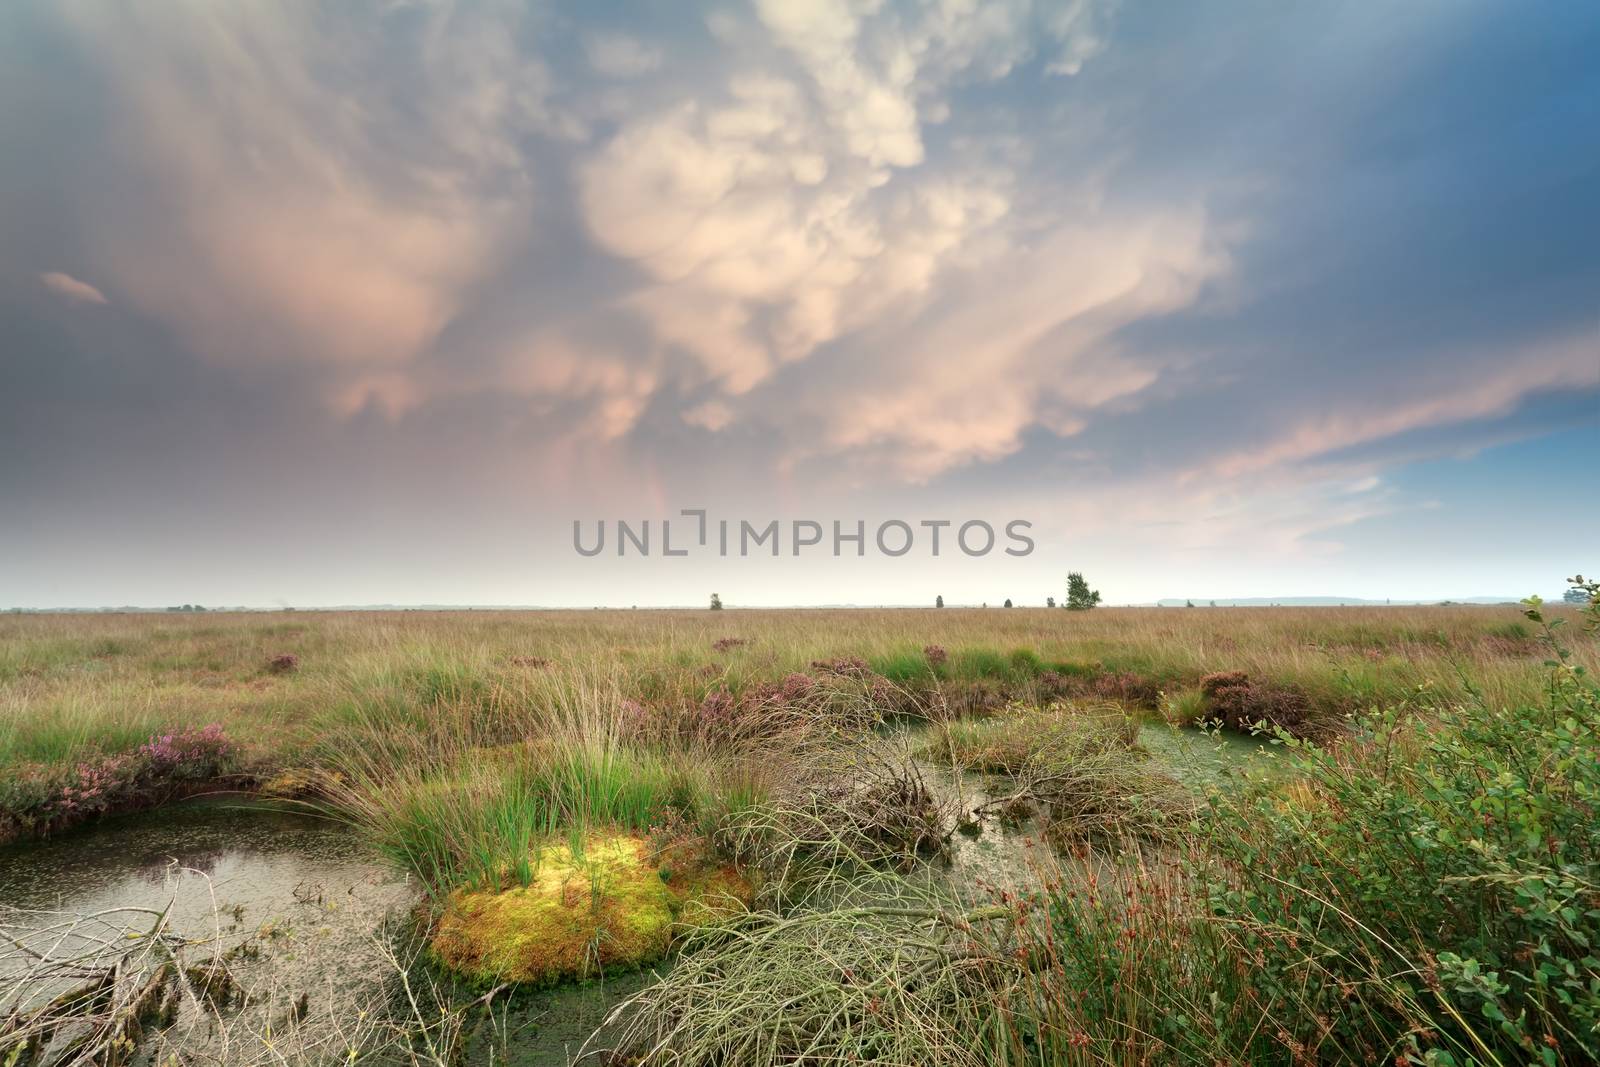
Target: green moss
{"x":604,"y":906}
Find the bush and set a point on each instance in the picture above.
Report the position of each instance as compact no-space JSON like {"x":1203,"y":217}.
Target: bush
{"x":1124,"y":687}
{"x":1427,"y":892}
{"x":1446,"y":870}
{"x":1243,"y":705}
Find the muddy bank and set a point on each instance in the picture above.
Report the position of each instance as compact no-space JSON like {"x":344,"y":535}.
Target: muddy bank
{"x":234,"y":921}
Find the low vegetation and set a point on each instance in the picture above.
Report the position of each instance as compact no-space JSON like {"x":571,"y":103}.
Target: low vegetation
{"x":1412,"y":875}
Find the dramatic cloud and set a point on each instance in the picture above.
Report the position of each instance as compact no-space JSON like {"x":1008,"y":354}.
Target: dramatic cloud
{"x":1192,"y":283}
{"x":321,"y":188}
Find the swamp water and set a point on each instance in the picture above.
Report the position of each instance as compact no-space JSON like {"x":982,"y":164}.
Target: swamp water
{"x":1002,"y":856}
{"x":314,"y":929}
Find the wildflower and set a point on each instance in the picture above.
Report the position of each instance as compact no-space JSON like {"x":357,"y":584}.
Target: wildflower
{"x":847,"y":666}
{"x":797,"y":686}
{"x":716,"y":710}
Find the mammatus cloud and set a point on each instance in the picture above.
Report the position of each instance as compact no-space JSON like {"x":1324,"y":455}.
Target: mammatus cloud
{"x":883,"y":246}
{"x":798,"y":207}
{"x":323,"y":187}
{"x":71,"y":288}
{"x":345,"y":221}
{"x":1029,"y":342}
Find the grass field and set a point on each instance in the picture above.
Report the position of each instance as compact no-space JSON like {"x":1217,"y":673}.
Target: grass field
{"x":71,"y":684}
{"x":1420,"y":884}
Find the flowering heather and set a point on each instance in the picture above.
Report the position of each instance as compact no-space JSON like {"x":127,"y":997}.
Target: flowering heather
{"x":96,"y":785}
{"x":723,"y":644}
{"x":1240,"y":703}
{"x":845,"y":666}
{"x":797,"y":687}
{"x":530,"y":662}
{"x":936,"y":655}
{"x":285,"y":663}
{"x":106,"y":783}
{"x":717,"y":710}
{"x":189,"y":753}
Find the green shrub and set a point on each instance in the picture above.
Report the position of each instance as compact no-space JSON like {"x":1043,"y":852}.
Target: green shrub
{"x":1445,"y":868}
{"x":1426,"y":892}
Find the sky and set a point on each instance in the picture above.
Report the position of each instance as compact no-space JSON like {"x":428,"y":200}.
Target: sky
{"x":369,"y":302}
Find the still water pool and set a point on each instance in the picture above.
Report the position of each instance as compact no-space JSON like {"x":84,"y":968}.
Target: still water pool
{"x":314,"y":927}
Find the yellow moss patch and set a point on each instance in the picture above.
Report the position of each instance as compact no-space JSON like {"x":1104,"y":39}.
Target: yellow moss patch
{"x":606,"y":906}
{"x":292,"y":783}
{"x":704,"y":891}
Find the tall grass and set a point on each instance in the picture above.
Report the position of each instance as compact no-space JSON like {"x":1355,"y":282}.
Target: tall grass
{"x":75,"y":720}
{"x":386,"y":697}
{"x":479,"y":820}
{"x":213,"y":667}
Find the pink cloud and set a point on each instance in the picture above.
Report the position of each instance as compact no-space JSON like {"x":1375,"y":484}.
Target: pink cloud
{"x":71,"y":288}
{"x":1511,"y":377}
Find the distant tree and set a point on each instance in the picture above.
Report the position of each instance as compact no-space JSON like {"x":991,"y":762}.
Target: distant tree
{"x":1575,"y":595}
{"x":1188,"y":603}
{"x":716,"y":602}
{"x":1049,"y":601}
{"x":1213,"y":603}
{"x":1008,"y":602}
{"x":1079,"y":596}
{"x":938,"y":601}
